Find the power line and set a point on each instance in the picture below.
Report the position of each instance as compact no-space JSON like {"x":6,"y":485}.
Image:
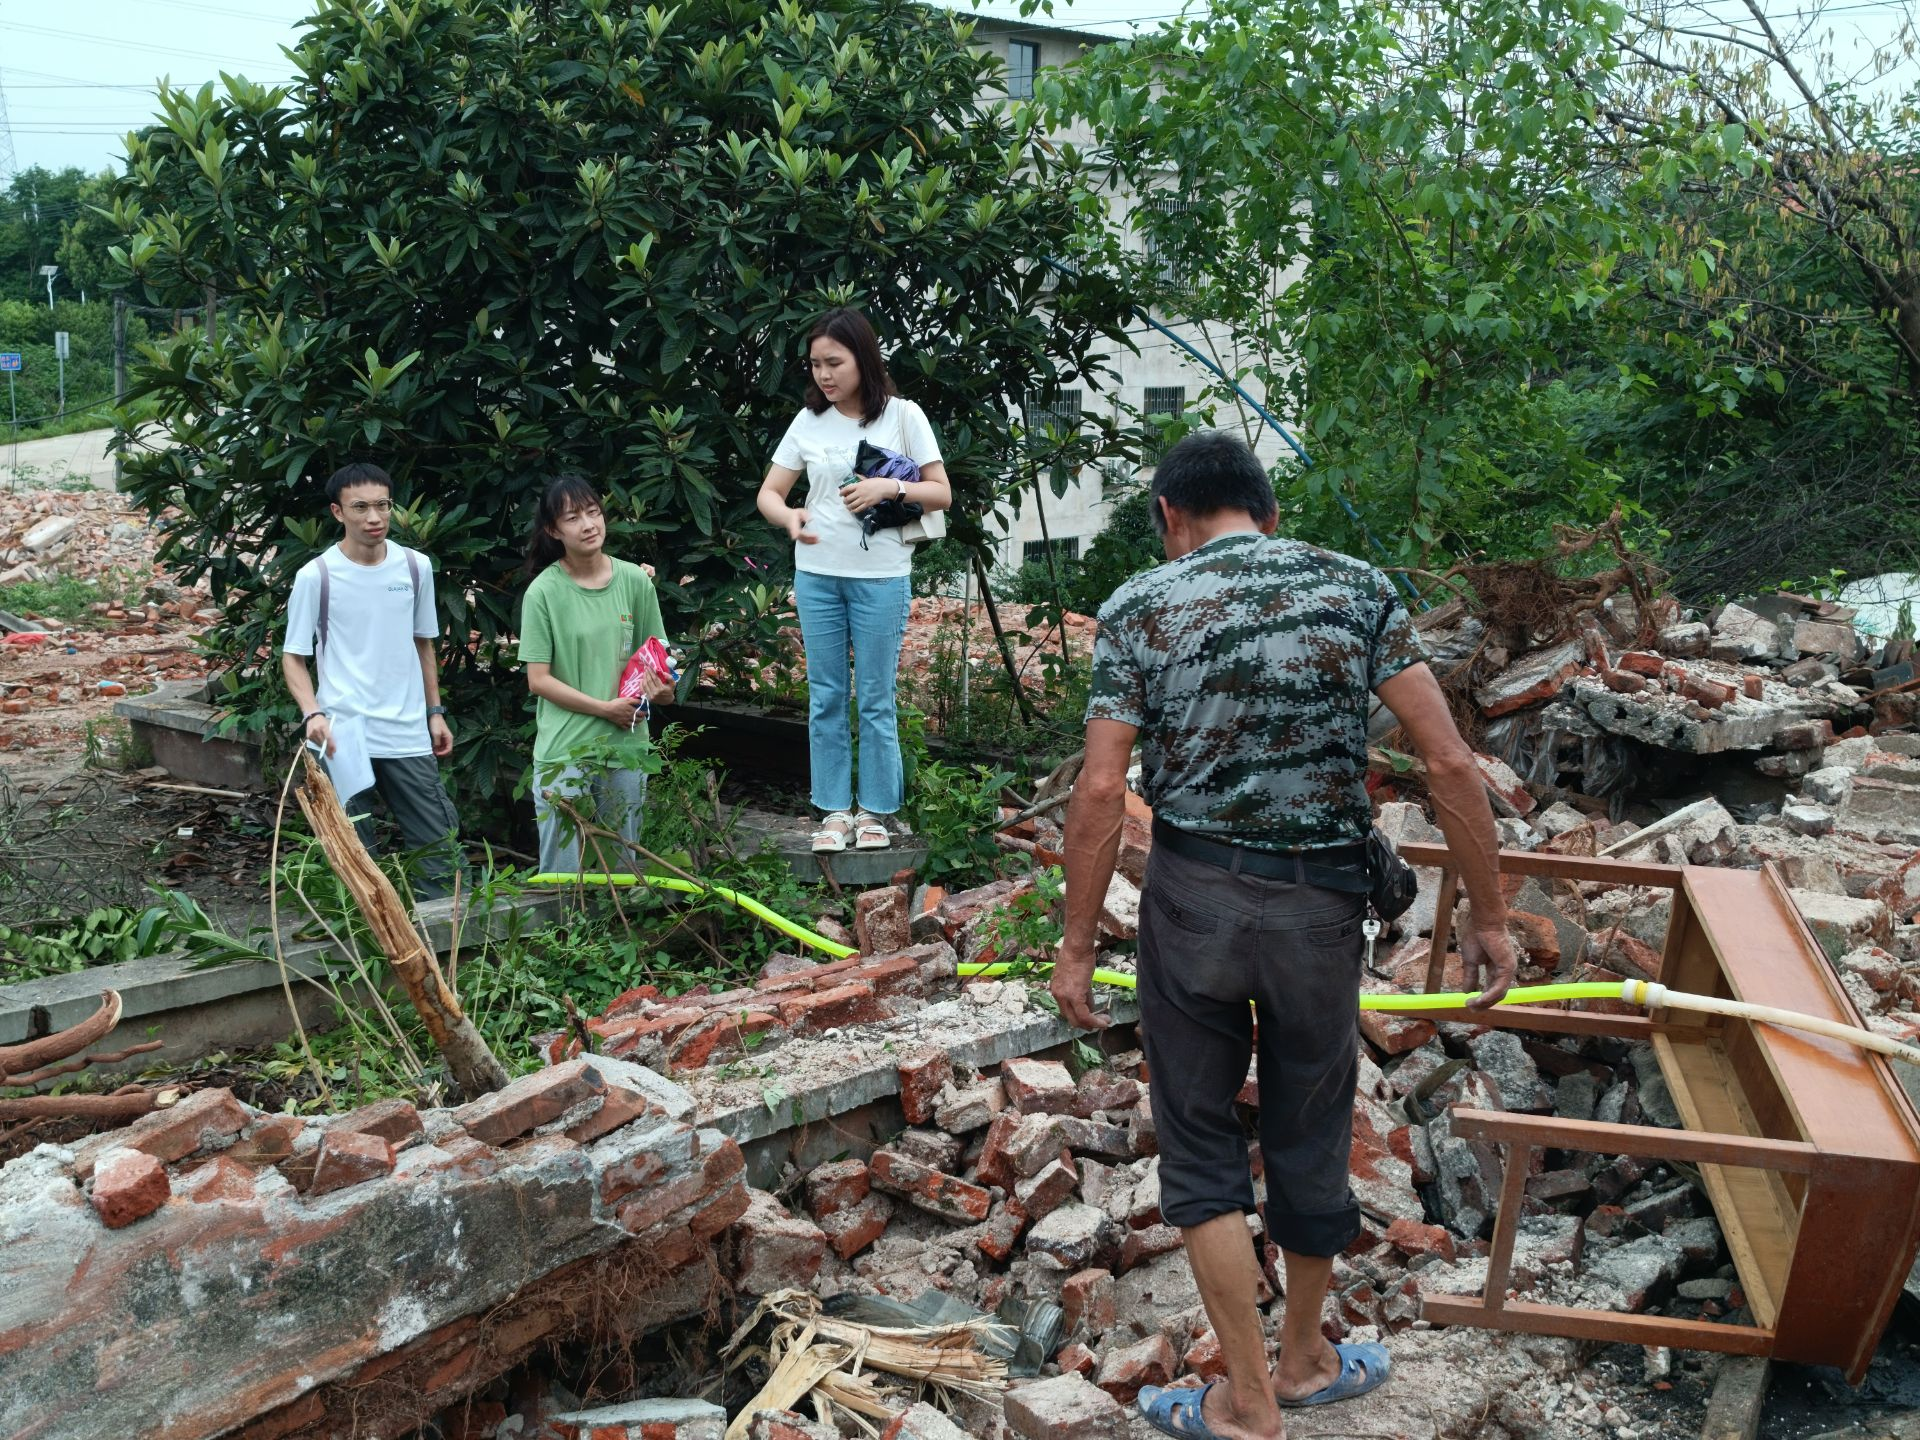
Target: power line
{"x":122,"y":44}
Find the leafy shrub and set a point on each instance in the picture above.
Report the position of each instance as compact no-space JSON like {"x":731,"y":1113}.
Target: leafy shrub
{"x":484,"y":243}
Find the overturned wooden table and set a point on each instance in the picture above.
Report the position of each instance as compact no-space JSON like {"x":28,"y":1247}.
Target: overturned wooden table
{"x":1808,"y":1147}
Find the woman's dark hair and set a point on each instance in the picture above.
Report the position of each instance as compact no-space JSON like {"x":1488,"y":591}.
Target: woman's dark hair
{"x":851,"y":329}
{"x":569,"y":491}
{"x":1208,"y":472}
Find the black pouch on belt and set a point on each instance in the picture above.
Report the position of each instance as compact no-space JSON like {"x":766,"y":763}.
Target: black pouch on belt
{"x":1393,"y":882}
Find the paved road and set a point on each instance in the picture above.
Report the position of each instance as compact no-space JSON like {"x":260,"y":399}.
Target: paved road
{"x":37,"y":464}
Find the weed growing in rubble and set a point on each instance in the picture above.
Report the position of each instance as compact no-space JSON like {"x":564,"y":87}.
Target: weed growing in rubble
{"x":63,"y":598}
{"x":1028,"y":928}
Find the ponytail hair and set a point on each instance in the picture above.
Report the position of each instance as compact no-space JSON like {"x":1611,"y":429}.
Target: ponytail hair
{"x":569,"y":490}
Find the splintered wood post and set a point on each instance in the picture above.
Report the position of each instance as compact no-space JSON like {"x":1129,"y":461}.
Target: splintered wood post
{"x":473,"y":1064}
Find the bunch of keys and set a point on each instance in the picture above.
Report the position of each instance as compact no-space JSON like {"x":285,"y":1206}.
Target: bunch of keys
{"x":1370,"y":927}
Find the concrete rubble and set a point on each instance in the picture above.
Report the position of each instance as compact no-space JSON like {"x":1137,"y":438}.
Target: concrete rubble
{"x":936,"y":1132}
{"x":57,"y":676}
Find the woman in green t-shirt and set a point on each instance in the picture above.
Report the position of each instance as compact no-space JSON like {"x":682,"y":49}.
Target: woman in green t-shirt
{"x":584,"y":614}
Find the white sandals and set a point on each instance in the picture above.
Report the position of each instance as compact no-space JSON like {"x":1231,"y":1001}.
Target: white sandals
{"x":831,"y":838}
{"x":870,"y":832}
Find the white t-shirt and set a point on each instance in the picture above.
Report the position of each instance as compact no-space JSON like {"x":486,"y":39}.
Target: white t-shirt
{"x":369,"y":665}
{"x":824,"y":446}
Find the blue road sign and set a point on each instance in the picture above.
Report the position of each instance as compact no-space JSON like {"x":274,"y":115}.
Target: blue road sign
{"x":9,"y":359}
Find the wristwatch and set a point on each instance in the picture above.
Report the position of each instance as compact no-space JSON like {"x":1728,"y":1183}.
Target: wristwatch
{"x":433,"y":710}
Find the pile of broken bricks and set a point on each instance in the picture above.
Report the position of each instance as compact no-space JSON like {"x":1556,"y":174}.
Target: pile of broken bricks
{"x":352,"y":1274}
{"x":1775,"y":679}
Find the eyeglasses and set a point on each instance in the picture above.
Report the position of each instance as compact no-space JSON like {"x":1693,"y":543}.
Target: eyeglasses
{"x":360,"y":509}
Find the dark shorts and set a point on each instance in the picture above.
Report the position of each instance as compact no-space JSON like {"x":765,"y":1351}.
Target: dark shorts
{"x":1210,"y":941}
{"x":417,"y":799}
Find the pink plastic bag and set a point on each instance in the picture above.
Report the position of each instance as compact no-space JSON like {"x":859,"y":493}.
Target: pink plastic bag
{"x":650,"y":661}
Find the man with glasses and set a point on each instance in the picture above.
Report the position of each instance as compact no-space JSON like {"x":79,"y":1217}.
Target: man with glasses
{"x":364,"y":611}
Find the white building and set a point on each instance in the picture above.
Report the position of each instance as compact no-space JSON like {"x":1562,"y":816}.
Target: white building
{"x":1161,"y":377}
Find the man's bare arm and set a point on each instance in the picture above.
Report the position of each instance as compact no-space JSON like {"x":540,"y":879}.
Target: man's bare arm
{"x":1460,"y":804}
{"x":1094,"y":819}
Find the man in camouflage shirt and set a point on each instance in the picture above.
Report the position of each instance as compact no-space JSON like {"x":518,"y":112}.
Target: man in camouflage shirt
{"x":1244,"y":668}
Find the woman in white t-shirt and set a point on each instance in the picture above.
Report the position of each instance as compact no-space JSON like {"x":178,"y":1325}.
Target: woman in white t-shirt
{"x":852,"y":589}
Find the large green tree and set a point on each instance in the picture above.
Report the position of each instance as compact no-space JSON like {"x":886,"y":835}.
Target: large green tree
{"x":1407,"y":221}
{"x":484,"y":243}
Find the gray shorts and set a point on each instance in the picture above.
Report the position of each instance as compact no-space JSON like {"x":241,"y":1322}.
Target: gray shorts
{"x":1210,"y":941}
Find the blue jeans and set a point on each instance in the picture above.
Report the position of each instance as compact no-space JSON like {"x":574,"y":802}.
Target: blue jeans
{"x":867,"y":617}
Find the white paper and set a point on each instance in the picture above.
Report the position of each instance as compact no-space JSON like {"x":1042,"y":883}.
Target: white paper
{"x":350,"y":766}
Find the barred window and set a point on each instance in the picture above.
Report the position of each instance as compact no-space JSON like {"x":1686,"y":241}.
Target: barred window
{"x":1163,"y":252}
{"x":1067,"y":548}
{"x":1023,"y":61}
{"x":1058,"y":411}
{"x":1161,"y":400}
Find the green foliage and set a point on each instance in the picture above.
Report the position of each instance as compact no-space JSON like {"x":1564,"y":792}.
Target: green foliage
{"x":29,"y":327}
{"x":484,"y":243}
{"x":1028,"y":927}
{"x":1404,"y":216}
{"x":955,"y":810}
{"x":1128,"y":545}
{"x":65,"y":597}
{"x":110,"y":934}
{"x":47,"y":217}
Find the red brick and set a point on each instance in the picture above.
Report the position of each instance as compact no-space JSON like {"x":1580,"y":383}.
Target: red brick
{"x":929,"y":1189}
{"x":128,"y":1185}
{"x":204,"y":1118}
{"x":1086,"y":1297}
{"x":636,"y":1172}
{"x":1075,"y":1359}
{"x":995,"y":1166}
{"x":219,"y":1180}
{"x":838,"y":1185}
{"x":1536,"y":936}
{"x":1092,"y":1137}
{"x":1396,"y":1034}
{"x":1709,"y":693}
{"x":348,"y":1157}
{"x":1145,"y":1244}
{"x":618,"y":1107}
{"x":1037,"y":1086}
{"x":726,"y":1033}
{"x":1035,"y":1144}
{"x":308,"y":1410}
{"x":1642,"y":662}
{"x":1623,"y":682}
{"x":1124,"y":1372}
{"x":394,"y":1121}
{"x":1002,"y":1231}
{"x":473,"y":1420}
{"x":921,"y":970}
{"x":1046,"y":1192}
{"x":1753,"y":687}
{"x":623,"y":1036}
{"x":1101,"y":1089}
{"x":853,"y":1004}
{"x":1136,"y":844}
{"x":852,"y":1230}
{"x":1204,"y":1358}
{"x":922,"y":1077}
{"x":1411,"y":1238}
{"x":631,"y":1002}
{"x":780,"y":1425}
{"x":880,"y":921}
{"x":530,"y":1102}
{"x":774,"y":1250}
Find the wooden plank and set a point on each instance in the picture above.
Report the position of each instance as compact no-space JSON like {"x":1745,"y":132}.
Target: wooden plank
{"x":1758,"y":1215}
{"x":1838,"y":1094}
{"x":1442,"y":930}
{"x":1597,"y":1137}
{"x":1558,"y":867}
{"x":1598,"y":1325}
{"x":1739,"y":1395}
{"x":1548,"y":1020}
{"x":1513,"y":1186}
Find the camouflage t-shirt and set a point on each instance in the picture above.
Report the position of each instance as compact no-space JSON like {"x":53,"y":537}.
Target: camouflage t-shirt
{"x":1247,"y":665}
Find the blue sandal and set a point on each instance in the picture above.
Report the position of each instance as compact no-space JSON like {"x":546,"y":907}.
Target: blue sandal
{"x":1363,"y":1367}
{"x":1175,"y":1410}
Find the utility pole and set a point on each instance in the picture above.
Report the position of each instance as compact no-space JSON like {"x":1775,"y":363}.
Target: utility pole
{"x":119,"y":382}
{"x":6,"y":141}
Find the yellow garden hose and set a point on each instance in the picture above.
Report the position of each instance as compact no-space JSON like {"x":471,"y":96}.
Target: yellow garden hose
{"x":1649,"y":994}
{"x":687,"y":887}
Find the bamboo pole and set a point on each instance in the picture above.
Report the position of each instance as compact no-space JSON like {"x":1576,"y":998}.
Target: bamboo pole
{"x":473,"y":1065}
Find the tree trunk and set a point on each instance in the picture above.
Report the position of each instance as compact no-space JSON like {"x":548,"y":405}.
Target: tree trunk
{"x":473,"y":1064}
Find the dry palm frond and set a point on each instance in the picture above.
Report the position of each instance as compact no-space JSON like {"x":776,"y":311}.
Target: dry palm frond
{"x":812,"y":1353}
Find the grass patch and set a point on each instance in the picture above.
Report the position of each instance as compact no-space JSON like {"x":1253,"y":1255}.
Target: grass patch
{"x":63,"y":598}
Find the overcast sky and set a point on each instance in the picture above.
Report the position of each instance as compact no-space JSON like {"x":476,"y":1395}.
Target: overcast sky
{"x":78,"y":76}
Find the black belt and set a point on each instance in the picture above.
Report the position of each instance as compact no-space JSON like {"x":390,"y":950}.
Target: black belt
{"x":1337,"y":867}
